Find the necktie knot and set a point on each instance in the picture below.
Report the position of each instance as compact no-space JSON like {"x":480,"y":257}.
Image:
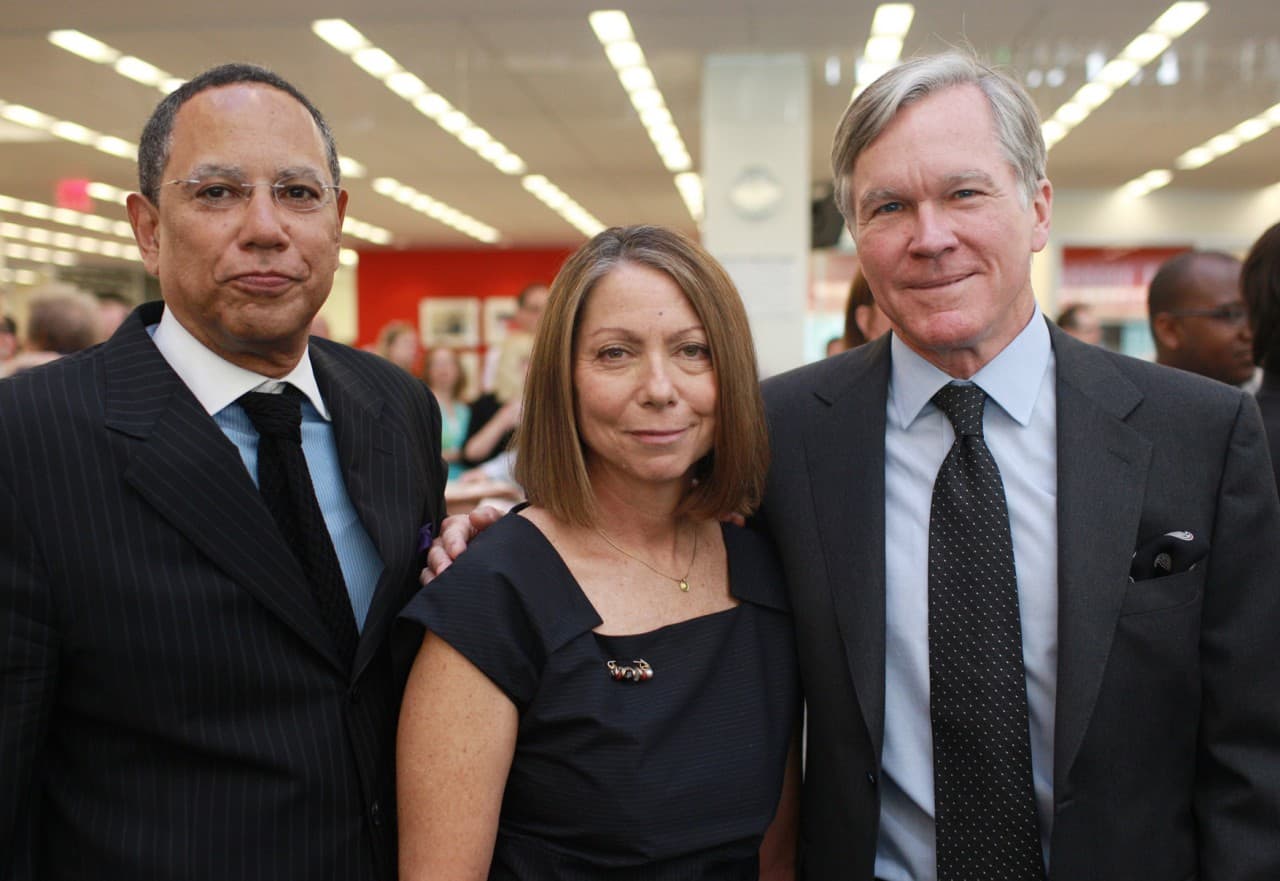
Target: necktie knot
{"x":963,"y":404}
{"x":278,"y":416}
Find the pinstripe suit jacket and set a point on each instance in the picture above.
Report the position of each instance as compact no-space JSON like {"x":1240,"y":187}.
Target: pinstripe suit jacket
{"x":172,"y":704}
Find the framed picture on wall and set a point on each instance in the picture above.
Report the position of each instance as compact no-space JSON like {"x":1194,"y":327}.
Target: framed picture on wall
{"x":498,"y":312}
{"x":449,"y":321}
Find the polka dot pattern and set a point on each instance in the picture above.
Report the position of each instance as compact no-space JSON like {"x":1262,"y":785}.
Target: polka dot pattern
{"x":983,"y":792}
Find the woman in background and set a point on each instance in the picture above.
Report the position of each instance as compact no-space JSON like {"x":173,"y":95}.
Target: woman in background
{"x":398,"y":343}
{"x":495,"y":415}
{"x":1260,"y":285}
{"x":863,"y":320}
{"x":442,"y":372}
{"x":607,"y":688}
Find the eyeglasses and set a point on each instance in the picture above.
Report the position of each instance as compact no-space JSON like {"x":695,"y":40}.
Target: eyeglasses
{"x":301,"y":195}
{"x":1234,"y":314}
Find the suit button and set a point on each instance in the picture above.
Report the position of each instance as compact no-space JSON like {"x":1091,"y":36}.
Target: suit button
{"x":375,"y":812}
{"x":871,"y":777}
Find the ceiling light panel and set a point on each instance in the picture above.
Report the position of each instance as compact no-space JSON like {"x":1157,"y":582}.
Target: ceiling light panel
{"x":58,"y":243}
{"x":67,"y":216}
{"x":341,"y":35}
{"x":1119,"y":71}
{"x":554,"y":198}
{"x":138,"y":70}
{"x":435,"y":209}
{"x":1237,"y":136}
{"x":613,"y":29}
{"x":889,"y":27}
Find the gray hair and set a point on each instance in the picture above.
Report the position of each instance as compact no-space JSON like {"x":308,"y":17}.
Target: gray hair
{"x":1016,"y":119}
{"x":157,"y":135}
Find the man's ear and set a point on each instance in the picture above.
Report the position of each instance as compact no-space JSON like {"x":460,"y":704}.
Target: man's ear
{"x":1167,"y":331}
{"x":144,"y":217}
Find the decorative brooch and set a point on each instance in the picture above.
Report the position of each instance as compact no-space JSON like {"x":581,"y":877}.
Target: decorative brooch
{"x":639,"y":671}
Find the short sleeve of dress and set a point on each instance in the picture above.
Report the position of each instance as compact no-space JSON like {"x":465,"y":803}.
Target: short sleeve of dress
{"x":505,"y":605}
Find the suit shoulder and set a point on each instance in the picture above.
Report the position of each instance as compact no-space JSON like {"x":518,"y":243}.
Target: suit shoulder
{"x":827,"y":378}
{"x":1169,"y":386}
{"x":50,"y":387}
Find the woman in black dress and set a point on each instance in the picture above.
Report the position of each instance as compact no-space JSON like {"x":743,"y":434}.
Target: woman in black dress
{"x":607,"y":686}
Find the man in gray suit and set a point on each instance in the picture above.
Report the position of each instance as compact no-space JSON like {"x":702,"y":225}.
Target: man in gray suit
{"x":1140,"y":726}
{"x":195,"y":675}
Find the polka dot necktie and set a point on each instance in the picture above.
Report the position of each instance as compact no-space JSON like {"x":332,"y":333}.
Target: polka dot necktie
{"x":285,"y":484}
{"x":984,"y":798}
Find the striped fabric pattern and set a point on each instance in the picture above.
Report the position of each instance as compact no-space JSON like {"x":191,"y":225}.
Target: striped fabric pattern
{"x":173,"y":707}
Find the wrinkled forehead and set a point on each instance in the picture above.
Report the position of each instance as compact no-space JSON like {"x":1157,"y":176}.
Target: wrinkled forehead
{"x":251,"y":127}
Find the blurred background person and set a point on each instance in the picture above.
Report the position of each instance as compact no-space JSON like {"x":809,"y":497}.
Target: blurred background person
{"x":1260,"y":285}
{"x":8,"y":341}
{"x":113,"y":309}
{"x":443,"y":374}
{"x":863,"y":320}
{"x":495,"y":414}
{"x":1198,"y":317}
{"x":533,"y":743}
{"x":398,"y":343}
{"x":60,"y":320}
{"x":530,"y":302}
{"x":1079,"y":321}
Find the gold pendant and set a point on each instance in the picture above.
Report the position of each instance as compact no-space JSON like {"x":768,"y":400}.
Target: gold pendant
{"x":684,"y":585}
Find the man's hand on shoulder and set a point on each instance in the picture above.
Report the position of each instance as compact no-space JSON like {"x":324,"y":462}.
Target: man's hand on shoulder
{"x":455,"y":534}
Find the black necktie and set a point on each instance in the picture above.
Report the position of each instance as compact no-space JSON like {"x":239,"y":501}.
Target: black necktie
{"x":286,"y":486}
{"x":983,"y":793}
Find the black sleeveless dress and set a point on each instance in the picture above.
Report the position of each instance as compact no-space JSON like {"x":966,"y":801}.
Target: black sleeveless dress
{"x":672,"y":777}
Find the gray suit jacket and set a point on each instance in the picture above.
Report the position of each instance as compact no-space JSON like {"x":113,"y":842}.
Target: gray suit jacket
{"x":173,"y":705}
{"x":1167,"y":727}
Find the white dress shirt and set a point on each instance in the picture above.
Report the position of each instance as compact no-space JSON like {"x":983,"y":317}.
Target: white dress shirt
{"x":1020,"y":426}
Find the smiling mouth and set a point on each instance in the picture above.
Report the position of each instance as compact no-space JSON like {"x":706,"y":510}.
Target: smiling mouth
{"x":933,"y":284}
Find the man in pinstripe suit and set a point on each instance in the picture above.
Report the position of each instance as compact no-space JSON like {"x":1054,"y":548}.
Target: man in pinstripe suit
{"x":174,"y":705}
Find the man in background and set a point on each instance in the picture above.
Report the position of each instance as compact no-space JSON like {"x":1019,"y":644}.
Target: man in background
{"x":1079,"y":321}
{"x":60,"y":320}
{"x":1199,"y":318}
{"x":530,"y":302}
{"x":207,"y":527}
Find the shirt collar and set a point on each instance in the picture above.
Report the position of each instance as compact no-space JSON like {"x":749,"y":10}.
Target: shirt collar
{"x":215,"y":381}
{"x":1011,"y":379}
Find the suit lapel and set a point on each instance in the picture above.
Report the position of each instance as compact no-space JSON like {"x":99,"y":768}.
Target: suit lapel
{"x":1102,"y":471}
{"x":375,"y":459}
{"x":185,"y":467}
{"x":848,"y":498}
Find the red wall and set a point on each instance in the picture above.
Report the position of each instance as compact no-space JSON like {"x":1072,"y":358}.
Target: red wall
{"x":389,"y":284}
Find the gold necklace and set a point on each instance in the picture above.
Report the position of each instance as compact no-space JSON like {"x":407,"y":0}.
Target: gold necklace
{"x":682,"y":582}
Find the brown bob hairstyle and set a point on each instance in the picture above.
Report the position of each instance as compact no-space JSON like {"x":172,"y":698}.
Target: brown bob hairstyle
{"x":550,"y":464}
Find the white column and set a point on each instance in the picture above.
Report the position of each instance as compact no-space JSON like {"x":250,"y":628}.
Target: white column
{"x":755,"y":171}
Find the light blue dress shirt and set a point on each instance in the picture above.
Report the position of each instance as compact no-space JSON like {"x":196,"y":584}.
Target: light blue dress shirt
{"x":217,"y":383}
{"x":1020,"y":426}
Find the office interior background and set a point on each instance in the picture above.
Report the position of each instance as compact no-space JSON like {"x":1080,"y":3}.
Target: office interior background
{"x":483,"y":140}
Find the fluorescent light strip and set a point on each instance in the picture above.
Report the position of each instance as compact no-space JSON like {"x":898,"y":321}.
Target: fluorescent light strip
{"x":555,"y":198}
{"x":131,"y":67}
{"x":376,"y":62}
{"x":883,"y":51}
{"x":613,"y":30}
{"x":65,"y":242}
{"x":67,"y":217}
{"x":348,"y":257}
{"x":17,"y":251}
{"x":435,"y":209}
{"x":1152,"y":180}
{"x":690,"y":187}
{"x":1141,"y":51}
{"x":68,"y":131}
{"x":18,"y":276}
{"x":90,"y":49}
{"x":1232,"y":139}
